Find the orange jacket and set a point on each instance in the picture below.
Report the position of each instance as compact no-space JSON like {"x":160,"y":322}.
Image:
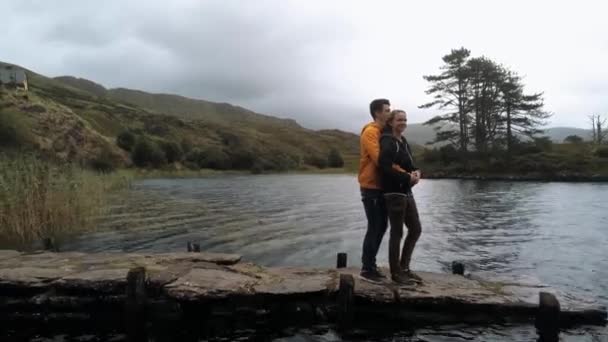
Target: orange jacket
{"x":369,"y":173}
{"x":369,"y":169}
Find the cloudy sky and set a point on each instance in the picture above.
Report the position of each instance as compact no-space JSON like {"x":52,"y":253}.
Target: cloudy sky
{"x":320,"y":62}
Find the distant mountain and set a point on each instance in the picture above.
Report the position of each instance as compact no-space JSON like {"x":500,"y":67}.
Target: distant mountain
{"x":558,"y":134}
{"x":420,"y":134}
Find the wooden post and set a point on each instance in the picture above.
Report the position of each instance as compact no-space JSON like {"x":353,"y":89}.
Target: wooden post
{"x":457,"y":268}
{"x":346,"y":307}
{"x":196,"y":247}
{"x":49,"y":244}
{"x":547,"y":318}
{"x":342,"y":260}
{"x":135,"y":306}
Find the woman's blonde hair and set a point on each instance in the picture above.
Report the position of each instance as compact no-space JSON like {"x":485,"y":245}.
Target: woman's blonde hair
{"x":392,"y":115}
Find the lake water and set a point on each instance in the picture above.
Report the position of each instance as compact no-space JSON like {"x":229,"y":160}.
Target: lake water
{"x":546,"y":233}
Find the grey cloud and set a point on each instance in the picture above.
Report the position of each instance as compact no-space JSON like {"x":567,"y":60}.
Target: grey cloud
{"x":319,"y":63}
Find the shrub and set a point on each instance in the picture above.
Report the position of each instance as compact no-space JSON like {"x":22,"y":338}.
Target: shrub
{"x":13,"y":130}
{"x":186,"y":145}
{"x":316,"y":160}
{"x":148,"y":153}
{"x":334,"y":158}
{"x":126,"y":140}
{"x":602,"y":152}
{"x":573,"y":139}
{"x":104,"y":161}
{"x":173,"y":151}
{"x":214,"y":158}
{"x":242,"y":158}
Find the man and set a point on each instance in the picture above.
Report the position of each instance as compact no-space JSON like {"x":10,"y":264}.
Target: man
{"x":371,"y":191}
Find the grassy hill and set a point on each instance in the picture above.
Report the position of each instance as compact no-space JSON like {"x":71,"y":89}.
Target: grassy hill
{"x":74,"y":119}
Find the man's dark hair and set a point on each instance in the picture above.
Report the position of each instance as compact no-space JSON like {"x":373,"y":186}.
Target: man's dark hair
{"x":377,"y":105}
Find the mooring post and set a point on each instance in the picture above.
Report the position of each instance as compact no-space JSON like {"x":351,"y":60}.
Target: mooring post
{"x":135,"y":306}
{"x":49,"y":244}
{"x":346,"y":305}
{"x":342,"y":260}
{"x":457,"y":268}
{"x":196,"y":247}
{"x":547,"y":318}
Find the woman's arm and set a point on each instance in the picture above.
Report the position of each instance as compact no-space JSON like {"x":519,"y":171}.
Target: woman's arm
{"x":388,"y":150}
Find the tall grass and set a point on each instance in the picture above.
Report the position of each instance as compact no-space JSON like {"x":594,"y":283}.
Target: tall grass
{"x":39,"y":199}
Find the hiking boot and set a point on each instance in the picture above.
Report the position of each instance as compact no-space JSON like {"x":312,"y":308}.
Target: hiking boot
{"x":379,"y":274}
{"x":372,"y":274}
{"x":402,"y":279}
{"x":411,"y":275}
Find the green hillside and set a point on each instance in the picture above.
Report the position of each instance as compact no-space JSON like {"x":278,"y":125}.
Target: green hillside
{"x":74,"y":119}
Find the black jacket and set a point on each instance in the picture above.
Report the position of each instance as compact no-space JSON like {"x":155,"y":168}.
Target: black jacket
{"x":395,"y":151}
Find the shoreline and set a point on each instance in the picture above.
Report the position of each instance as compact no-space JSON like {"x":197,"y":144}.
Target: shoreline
{"x":568,"y":178}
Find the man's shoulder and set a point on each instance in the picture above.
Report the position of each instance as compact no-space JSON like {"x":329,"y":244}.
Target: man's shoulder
{"x":371,"y":128}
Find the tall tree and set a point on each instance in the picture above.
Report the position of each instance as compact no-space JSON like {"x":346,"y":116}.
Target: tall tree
{"x":485,"y":98}
{"x":449,"y":90}
{"x":523,"y":113}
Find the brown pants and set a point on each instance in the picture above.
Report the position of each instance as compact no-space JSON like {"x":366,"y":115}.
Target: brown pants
{"x":402,"y":209}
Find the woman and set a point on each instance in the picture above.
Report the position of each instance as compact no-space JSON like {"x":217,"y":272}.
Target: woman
{"x":400,"y":202}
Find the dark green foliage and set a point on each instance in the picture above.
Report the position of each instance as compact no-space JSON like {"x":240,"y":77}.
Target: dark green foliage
{"x":173,"y":151}
{"x":126,"y":140}
{"x":13,"y":130}
{"x":186,"y":145}
{"x":242,"y":158}
{"x":573,"y":139}
{"x":104,"y":162}
{"x":602,"y":152}
{"x":147,"y":153}
{"x":544,"y":144}
{"x":214,"y":158}
{"x":334,"y":158}
{"x":316,"y":161}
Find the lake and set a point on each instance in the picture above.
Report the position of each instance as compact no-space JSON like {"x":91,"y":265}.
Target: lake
{"x":546,"y":233}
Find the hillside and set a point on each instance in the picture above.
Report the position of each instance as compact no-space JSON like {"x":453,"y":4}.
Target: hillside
{"x":75,"y":119}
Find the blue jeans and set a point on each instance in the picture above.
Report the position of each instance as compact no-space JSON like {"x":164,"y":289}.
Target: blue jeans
{"x":377,"y":222}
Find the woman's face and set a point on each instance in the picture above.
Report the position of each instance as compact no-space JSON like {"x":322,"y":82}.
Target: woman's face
{"x":399,"y":122}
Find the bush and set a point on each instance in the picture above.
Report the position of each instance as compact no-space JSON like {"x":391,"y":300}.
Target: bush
{"x":186,"y":145}
{"x":148,"y":153}
{"x":173,"y":151}
{"x":573,"y":139}
{"x":104,"y":161}
{"x":213,"y":158}
{"x":334,"y":158}
{"x":602,"y":152}
{"x":13,"y":130}
{"x":316,"y":161}
{"x":242,"y":159}
{"x":126,"y":140}
{"x":544,"y":143}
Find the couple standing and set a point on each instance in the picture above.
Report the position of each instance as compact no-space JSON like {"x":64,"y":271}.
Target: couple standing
{"x":386,"y":177}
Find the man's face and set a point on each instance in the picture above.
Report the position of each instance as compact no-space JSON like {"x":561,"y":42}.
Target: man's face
{"x":382,"y":116}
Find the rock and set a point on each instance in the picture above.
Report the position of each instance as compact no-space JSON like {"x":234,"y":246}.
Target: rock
{"x":6,"y":254}
{"x":209,"y":284}
{"x":106,"y":281}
